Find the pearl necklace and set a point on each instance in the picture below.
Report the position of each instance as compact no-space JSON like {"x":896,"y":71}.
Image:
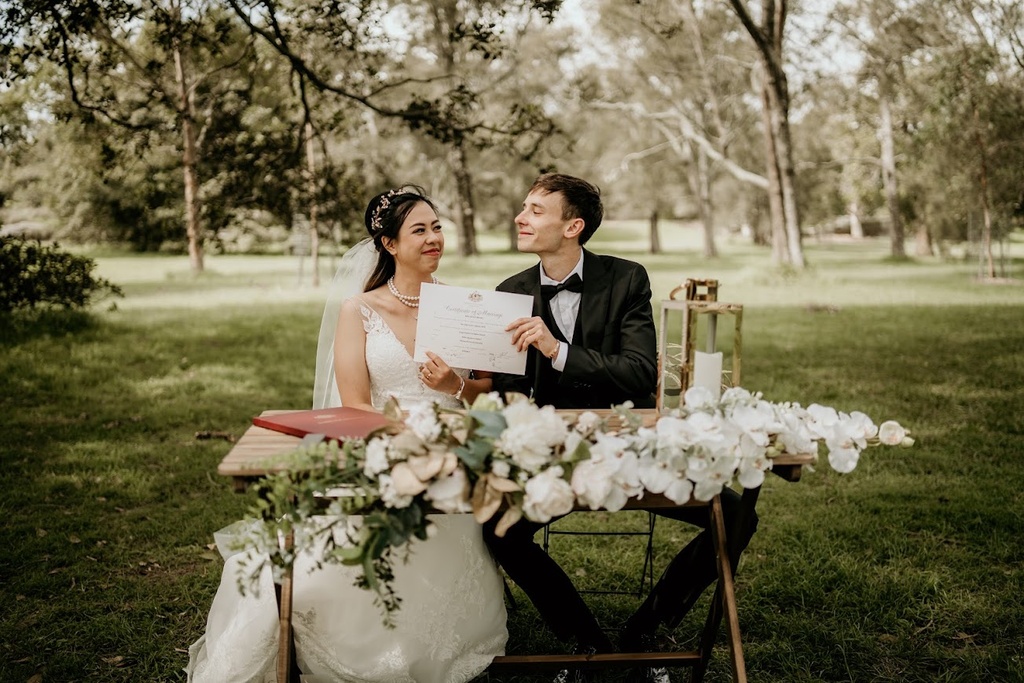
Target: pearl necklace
{"x":410,"y":301}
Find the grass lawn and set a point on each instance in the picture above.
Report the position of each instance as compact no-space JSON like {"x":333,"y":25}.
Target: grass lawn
{"x":907,"y":569}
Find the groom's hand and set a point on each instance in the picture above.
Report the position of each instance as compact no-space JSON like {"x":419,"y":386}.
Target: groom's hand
{"x":528,"y":332}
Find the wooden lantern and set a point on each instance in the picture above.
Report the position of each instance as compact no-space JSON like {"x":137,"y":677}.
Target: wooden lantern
{"x":696,"y":301}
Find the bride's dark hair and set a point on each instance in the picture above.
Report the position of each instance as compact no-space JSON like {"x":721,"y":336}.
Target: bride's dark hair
{"x":383,"y":218}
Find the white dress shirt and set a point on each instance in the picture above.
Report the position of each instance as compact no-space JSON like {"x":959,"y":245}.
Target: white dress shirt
{"x":565,"y":307}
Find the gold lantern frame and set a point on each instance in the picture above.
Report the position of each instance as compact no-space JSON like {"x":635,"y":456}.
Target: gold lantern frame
{"x":693,"y":298}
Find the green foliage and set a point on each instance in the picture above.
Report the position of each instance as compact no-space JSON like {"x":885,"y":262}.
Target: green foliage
{"x":33,"y":274}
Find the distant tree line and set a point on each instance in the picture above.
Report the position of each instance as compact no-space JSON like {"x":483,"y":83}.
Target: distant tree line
{"x":191,"y":125}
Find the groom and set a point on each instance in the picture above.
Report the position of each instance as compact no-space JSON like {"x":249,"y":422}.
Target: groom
{"x":592,"y":344}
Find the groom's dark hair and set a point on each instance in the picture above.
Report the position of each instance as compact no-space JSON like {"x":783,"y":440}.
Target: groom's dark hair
{"x":580,"y":199}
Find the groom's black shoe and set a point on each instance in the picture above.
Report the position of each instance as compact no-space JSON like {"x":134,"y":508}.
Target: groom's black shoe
{"x":634,"y":640}
{"x":652,"y":674}
{"x":575,"y":675}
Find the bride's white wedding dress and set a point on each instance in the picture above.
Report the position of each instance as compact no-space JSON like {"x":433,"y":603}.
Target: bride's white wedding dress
{"x":452,"y":618}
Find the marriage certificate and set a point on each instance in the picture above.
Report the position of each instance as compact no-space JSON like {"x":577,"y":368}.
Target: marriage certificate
{"x":466,"y":327}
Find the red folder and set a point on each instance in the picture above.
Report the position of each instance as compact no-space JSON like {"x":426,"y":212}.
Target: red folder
{"x":334,"y":423}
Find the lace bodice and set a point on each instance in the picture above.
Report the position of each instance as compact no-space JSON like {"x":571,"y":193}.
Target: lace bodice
{"x":393,"y":372}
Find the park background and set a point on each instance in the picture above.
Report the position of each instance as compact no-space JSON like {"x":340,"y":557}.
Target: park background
{"x":851,"y":172}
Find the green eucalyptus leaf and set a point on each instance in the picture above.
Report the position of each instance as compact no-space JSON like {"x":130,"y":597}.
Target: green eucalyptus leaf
{"x":474,"y":453}
{"x":490,"y":424}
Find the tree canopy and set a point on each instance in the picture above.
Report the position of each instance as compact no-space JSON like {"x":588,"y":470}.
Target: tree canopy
{"x":224,"y":124}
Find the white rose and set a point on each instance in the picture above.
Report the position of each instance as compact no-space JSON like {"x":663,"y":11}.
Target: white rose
{"x":532,"y":434}
{"x":490,"y":401}
{"x":592,"y":482}
{"x":547,"y":495}
{"x":501,"y":468}
{"x":572,"y":441}
{"x":587,"y":422}
{"x":526,"y":446}
{"x":389,"y":495}
{"x":376,"y":457}
{"x":451,"y":493}
{"x":422,"y":420}
{"x":520,"y":413}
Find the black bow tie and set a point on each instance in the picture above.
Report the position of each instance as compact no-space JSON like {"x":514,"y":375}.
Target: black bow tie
{"x":573,"y":284}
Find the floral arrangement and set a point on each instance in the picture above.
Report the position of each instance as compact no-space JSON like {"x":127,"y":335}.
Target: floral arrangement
{"x":517,"y":460}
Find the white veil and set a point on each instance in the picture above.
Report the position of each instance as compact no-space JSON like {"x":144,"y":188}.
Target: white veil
{"x":356,"y":266}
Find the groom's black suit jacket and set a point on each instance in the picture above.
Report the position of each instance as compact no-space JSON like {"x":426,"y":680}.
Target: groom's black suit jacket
{"x":613,"y":355}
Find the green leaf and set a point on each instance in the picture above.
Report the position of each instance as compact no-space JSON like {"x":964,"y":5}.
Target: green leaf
{"x":474,"y":453}
{"x":491,"y":423}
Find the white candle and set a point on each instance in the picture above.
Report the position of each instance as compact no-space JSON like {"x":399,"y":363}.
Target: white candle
{"x":707,"y":372}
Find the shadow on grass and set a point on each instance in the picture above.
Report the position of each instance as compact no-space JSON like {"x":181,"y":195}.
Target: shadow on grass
{"x":19,"y":327}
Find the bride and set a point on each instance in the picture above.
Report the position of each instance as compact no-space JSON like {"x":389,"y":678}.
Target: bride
{"x":452,"y":617}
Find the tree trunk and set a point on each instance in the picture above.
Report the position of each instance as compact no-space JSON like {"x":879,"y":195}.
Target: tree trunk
{"x":186,"y":110}
{"x":655,"y":239}
{"x":776,"y":213}
{"x":787,"y":247}
{"x":986,"y":235}
{"x":314,"y":234}
{"x":856,"y":229}
{"x":892,"y":196}
{"x":464,"y":199}
{"x":778,"y":100}
{"x":707,"y":213}
{"x":922,"y":241}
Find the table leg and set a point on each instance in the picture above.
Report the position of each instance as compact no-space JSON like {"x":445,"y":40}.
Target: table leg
{"x":723,"y":604}
{"x":287,"y":667}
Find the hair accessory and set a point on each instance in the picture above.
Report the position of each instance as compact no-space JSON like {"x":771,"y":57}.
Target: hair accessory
{"x":385,"y":201}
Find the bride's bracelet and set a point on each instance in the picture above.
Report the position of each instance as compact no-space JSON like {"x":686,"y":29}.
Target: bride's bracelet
{"x":462,"y":387}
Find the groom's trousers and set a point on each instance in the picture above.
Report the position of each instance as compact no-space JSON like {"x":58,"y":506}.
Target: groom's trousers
{"x":690,"y":572}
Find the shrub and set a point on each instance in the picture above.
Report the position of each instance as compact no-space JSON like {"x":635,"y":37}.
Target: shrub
{"x":33,"y":274}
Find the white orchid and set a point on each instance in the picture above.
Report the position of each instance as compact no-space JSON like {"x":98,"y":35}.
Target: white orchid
{"x":518,"y":457}
{"x":862,"y":425}
{"x":890,"y":433}
{"x":699,"y":398}
{"x":794,"y":435}
{"x":843,"y":460}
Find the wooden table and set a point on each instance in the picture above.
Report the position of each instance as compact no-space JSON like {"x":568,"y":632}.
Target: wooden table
{"x":246,"y":462}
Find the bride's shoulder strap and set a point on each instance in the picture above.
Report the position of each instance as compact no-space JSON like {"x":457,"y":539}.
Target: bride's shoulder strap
{"x":372,"y":320}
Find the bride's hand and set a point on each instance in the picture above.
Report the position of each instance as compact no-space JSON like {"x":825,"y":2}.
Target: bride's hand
{"x":436,"y":374}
